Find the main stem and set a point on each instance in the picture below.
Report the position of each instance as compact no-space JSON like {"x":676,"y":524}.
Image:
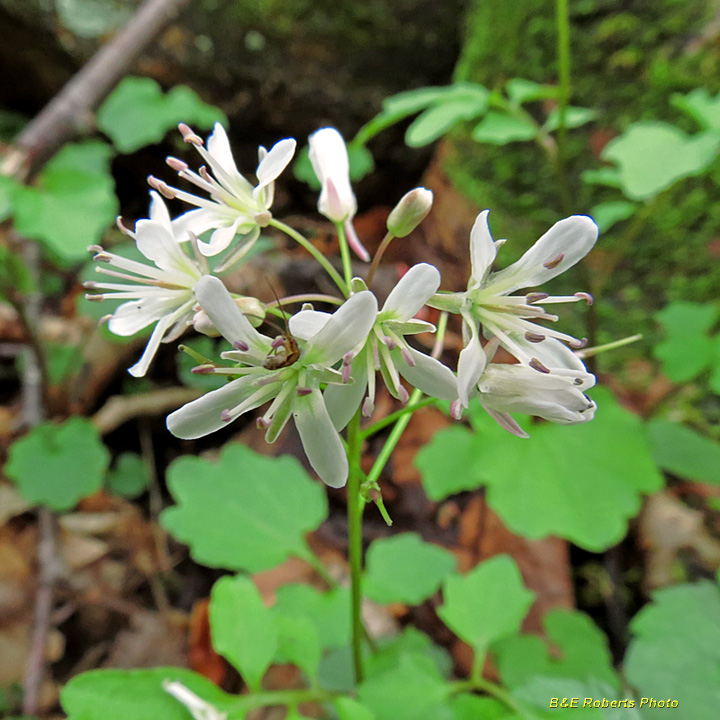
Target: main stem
{"x":355,"y":503}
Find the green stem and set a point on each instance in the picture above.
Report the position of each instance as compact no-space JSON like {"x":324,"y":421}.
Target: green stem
{"x":304,"y":242}
{"x":344,"y":253}
{"x":562,"y":24}
{"x":392,"y":440}
{"x":390,"y":419}
{"x":281,"y":697}
{"x":355,"y":503}
{"x":496,"y":691}
{"x":378,"y":256}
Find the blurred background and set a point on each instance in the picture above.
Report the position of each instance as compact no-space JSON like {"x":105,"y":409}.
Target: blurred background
{"x":639,"y":153}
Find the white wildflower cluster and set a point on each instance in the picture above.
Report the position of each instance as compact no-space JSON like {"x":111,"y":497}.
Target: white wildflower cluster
{"x":325,"y":367}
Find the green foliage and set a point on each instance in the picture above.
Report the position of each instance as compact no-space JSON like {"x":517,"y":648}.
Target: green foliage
{"x":486,"y":604}
{"x":349,"y":709}
{"x":58,"y":464}
{"x":328,"y":611}
{"x":92,"y":18}
{"x":72,"y":204}
{"x":580,"y":652}
{"x":652,"y":156}
{"x":684,"y":452}
{"x":405,"y":569}
{"x":676,"y":651}
{"x":609,"y":213}
{"x":561,"y":481}
{"x":137,"y":113}
{"x":129,"y":477}
{"x":136,"y":694}
{"x":244,"y":512}
{"x":499,"y":128}
{"x":575,"y":117}
{"x":410,"y":690}
{"x":298,"y":643}
{"x":242,"y":628}
{"x":14,"y":278}
{"x":687,"y":350}
{"x":8,"y":187}
{"x":204,"y":346}
{"x":701,"y":106}
{"x":409,"y":642}
{"x":473,"y":707}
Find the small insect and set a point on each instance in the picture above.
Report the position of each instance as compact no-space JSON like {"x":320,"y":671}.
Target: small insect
{"x":285,"y":350}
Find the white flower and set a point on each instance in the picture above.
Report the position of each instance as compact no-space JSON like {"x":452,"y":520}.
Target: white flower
{"x":387,"y":350}
{"x":235,"y":206}
{"x":160,"y":293}
{"x":512,"y":319}
{"x":200,"y":709}
{"x":270,"y":371}
{"x":329,"y":157}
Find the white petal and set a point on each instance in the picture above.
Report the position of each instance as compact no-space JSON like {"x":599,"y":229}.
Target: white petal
{"x":158,"y":244}
{"x":204,"y":415}
{"x":413,"y":290}
{"x":428,"y":375}
{"x":329,"y":158}
{"x":196,"y":222}
{"x":354,"y":241}
{"x":471,"y":365}
{"x":133,"y":316}
{"x":275,"y":162}
{"x":218,"y":146}
{"x":506,"y":421}
{"x":342,"y":401}
{"x":227,"y":317}
{"x":220,"y":239}
{"x":322,"y":444}
{"x":159,"y":212}
{"x":563,"y":245}
{"x":344,"y":331}
{"x":559,"y":358}
{"x":307,"y":323}
{"x":482,"y":248}
{"x":140,"y":367}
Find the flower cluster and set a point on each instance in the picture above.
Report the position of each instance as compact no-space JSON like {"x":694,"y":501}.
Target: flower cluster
{"x":323,"y":369}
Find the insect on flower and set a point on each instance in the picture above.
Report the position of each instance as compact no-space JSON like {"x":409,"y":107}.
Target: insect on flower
{"x":285,"y":350}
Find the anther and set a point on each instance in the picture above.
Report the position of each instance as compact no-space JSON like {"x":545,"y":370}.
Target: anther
{"x":262,"y":424}
{"x":225,"y":416}
{"x":576,"y":343}
{"x":121,"y":227}
{"x":176,"y":164}
{"x":408,"y":357}
{"x":203,"y":370}
{"x":346,"y":372}
{"x":534,"y":297}
{"x":103,"y":320}
{"x":348,"y":358}
{"x":188,"y":135}
{"x":95,"y":298}
{"x":551,"y":264}
{"x":95,"y":249}
{"x":456,"y":409}
{"x":240,"y":345}
{"x":303,"y":391}
{"x":403,"y":393}
{"x":534,"y":337}
{"x":535,"y":364}
{"x":204,"y":174}
{"x":161,"y":187}
{"x":279,"y":341}
{"x":587,"y":297}
{"x":391,"y":344}
{"x":368,"y":407}
{"x":90,"y":285}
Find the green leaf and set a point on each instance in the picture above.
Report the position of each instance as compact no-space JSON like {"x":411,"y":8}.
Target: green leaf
{"x":520,"y":91}
{"x":715,"y":375}
{"x":244,"y":512}
{"x":574,"y":118}
{"x":58,"y":464}
{"x":609,"y":213}
{"x":700,"y":106}
{"x":137,"y":113}
{"x":473,"y":707}
{"x":409,"y":691}
{"x":129,"y":477}
{"x":413,"y":101}
{"x":441,"y":117}
{"x":349,"y":709}
{"x":136,"y":694}
{"x":676,"y":651}
{"x":486,"y":604}
{"x":561,"y":481}
{"x":8,"y":188}
{"x":609,"y":177}
{"x":242,"y":628}
{"x":73,"y":203}
{"x":499,"y":128}
{"x":405,"y":569}
{"x":686,"y":350}
{"x":579,"y":651}
{"x":298,"y":643}
{"x":685,"y":453}
{"x":652,"y":156}
{"x":329,"y":611}
{"x":92,"y":18}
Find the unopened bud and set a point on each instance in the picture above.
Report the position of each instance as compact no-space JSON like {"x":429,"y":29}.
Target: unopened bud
{"x":410,"y":212}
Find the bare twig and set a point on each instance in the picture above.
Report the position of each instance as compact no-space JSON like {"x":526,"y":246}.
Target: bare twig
{"x":70,"y":111}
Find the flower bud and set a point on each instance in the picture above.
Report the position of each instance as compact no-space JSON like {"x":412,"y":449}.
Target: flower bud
{"x":329,"y":158}
{"x":410,"y":212}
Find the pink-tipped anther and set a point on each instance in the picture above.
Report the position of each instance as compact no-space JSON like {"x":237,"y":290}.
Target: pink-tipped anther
{"x":303,"y":391}
{"x":551,"y":264}
{"x":534,"y":297}
{"x":534,"y":337}
{"x":188,"y":135}
{"x":225,"y":416}
{"x":535,"y":364}
{"x":587,"y":297}
{"x":176,"y":164}
{"x":240,"y":345}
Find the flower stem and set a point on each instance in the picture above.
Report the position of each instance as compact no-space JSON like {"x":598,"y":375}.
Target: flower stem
{"x":344,"y":253}
{"x":393,"y":417}
{"x":562,"y":24}
{"x":304,"y":242}
{"x":496,"y":691}
{"x":392,"y":440}
{"x":355,"y":504}
{"x":378,"y":255}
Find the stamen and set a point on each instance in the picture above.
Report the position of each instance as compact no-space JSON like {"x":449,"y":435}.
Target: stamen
{"x":121,"y":227}
{"x":103,"y":257}
{"x":225,"y":415}
{"x":103,"y":320}
{"x":368,"y":407}
{"x":240,"y":345}
{"x":587,"y":297}
{"x":407,"y":357}
{"x":262,"y":424}
{"x":578,"y":381}
{"x":535,"y":364}
{"x":391,"y":344}
{"x":303,"y":391}
{"x":203,"y":370}
{"x":534,"y":337}
{"x":534,"y":297}
{"x":346,"y":371}
{"x":278,"y":342}
{"x":164,"y":189}
{"x":551,"y":264}
{"x":188,"y":135}
{"x":95,"y":298}
{"x":577,"y":344}
{"x":176,"y":164}
{"x":403,"y":393}
{"x":456,"y":409}
{"x":348,"y":358}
